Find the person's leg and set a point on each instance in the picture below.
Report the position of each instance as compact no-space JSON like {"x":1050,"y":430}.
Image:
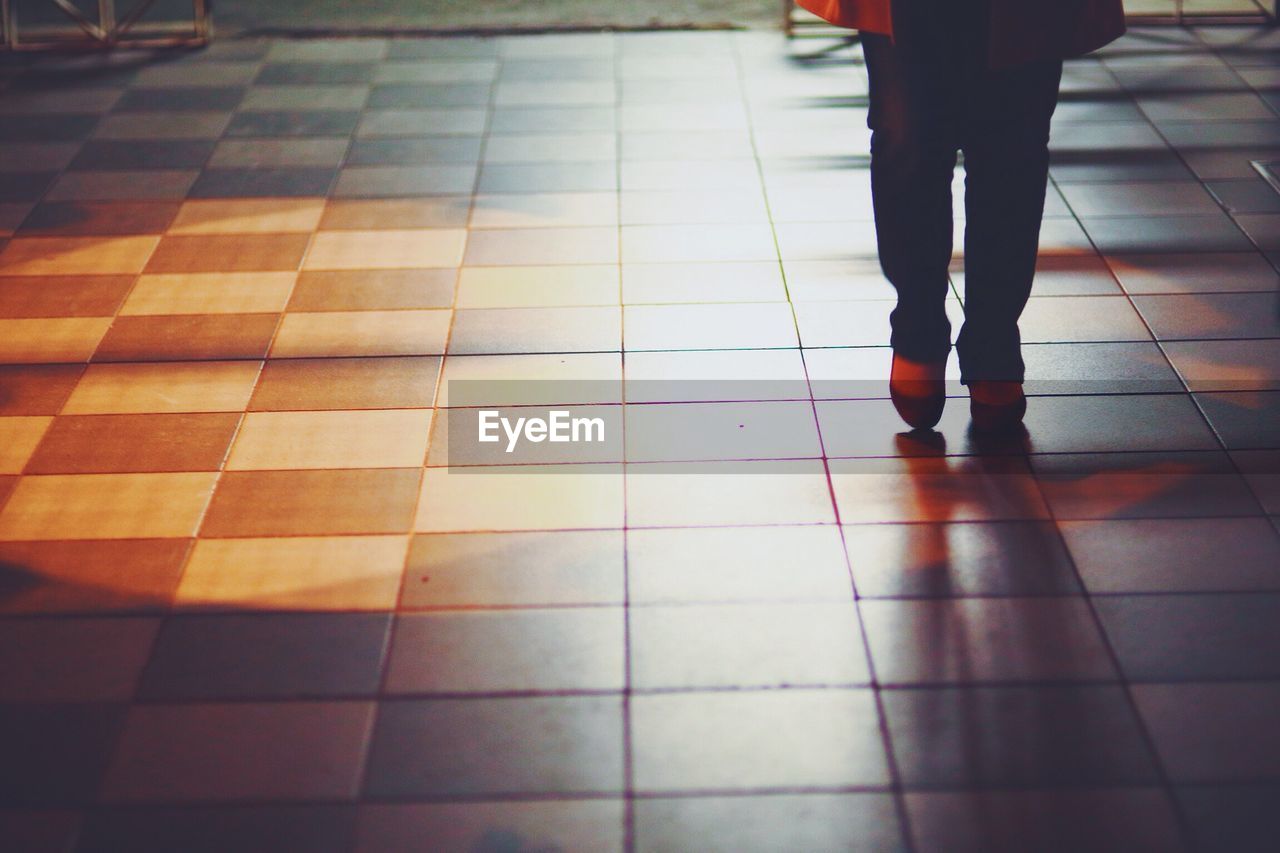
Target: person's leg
{"x":1006,"y":161}
{"x":913,"y":154}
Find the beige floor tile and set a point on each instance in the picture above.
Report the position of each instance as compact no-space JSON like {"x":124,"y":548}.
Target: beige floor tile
{"x":106,"y":506}
{"x":268,"y":153}
{"x":77,"y":255}
{"x":210,"y":293}
{"x":248,"y":216}
{"x":722,"y":493}
{"x":354,"y":250}
{"x":533,"y":379}
{"x":662,"y":243}
{"x":212,"y":386}
{"x":302,"y":573}
{"x":664,"y":207}
{"x":489,"y":331}
{"x":525,"y":569}
{"x":18,"y":440}
{"x":759,"y":281}
{"x":530,"y":287}
{"x":362,"y":333}
{"x":531,"y":497}
{"x":51,"y":340}
{"x":320,"y":98}
{"x":446,"y":211}
{"x":389,"y":438}
{"x":517,"y":246}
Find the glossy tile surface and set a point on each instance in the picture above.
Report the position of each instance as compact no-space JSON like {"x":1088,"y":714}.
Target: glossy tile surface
{"x":257,"y":593}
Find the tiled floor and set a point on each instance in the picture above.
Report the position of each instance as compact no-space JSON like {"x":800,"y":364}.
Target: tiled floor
{"x":248,"y":606}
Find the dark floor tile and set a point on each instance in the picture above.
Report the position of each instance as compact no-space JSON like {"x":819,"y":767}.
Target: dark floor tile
{"x":297,"y":503}
{"x":346,"y":383}
{"x":107,"y":154}
{"x":1101,"y":164}
{"x":1261,"y":468}
{"x":1244,"y":420}
{"x":37,"y":389}
{"x":1114,"y":423}
{"x":104,"y":218}
{"x":229,"y":253}
{"x":244,"y":751}
{"x":1194,"y":273}
{"x":1016,"y":736}
{"x":957,"y":560}
{"x":73,"y":660}
{"x":1214,"y":732}
{"x":82,"y":444}
{"x":191,"y":337}
{"x":985,"y":640}
{"x":757,"y":824}
{"x":280,"y":123}
{"x":1121,"y":234}
{"x":305,"y":73}
{"x":1252,"y":196}
{"x":214,"y":829}
{"x":1232,"y":819}
{"x":1119,"y":820}
{"x":936,"y":489}
{"x":24,"y":186}
{"x":55,"y":754}
{"x":46,"y":128}
{"x":122,"y":575}
{"x":421,"y":95}
{"x":180,"y":99}
{"x":414,"y":151}
{"x":7,"y":484}
{"x":1098,"y":368}
{"x":1175,"y":555}
{"x":85,"y":71}
{"x":508,"y":651}
{"x":277,"y":656}
{"x":373,"y":290}
{"x":262,"y":183}
{"x":490,"y":746}
{"x":1194,"y":637}
{"x":1143,"y":485}
{"x":62,"y":296}
{"x":1211,"y":315}
{"x":562,"y":824}
{"x":40,"y":830}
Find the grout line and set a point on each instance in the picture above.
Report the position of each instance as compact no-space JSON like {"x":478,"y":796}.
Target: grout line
{"x":886,"y":741}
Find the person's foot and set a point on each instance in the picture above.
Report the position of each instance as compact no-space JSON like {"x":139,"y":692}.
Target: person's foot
{"x":996,"y":405}
{"x":918,"y":390}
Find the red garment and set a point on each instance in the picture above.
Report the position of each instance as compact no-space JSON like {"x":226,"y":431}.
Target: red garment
{"x":1021,"y":30}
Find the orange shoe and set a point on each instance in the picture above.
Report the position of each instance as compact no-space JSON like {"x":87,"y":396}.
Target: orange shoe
{"x":996,"y":405}
{"x":918,"y":390}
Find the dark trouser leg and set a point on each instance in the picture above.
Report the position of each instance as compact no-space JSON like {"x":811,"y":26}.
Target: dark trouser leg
{"x":913,"y":156}
{"x":1006,"y":159}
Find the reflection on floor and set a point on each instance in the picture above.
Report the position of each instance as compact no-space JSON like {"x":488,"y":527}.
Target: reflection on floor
{"x":246,"y":605}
